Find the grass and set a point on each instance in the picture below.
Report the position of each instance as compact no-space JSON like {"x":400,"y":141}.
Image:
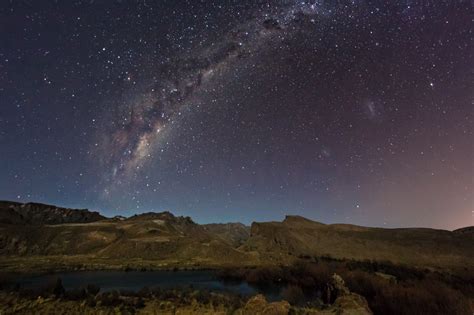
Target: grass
{"x":59,"y":263}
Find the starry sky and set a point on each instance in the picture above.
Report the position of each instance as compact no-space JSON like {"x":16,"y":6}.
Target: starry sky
{"x":340,"y":111}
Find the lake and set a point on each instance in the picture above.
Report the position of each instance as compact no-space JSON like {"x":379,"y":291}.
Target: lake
{"x":136,"y":280}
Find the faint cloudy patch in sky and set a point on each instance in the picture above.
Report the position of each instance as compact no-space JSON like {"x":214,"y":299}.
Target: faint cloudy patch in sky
{"x":373,"y":110}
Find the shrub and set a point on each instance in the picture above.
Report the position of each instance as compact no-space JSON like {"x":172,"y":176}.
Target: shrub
{"x":144,"y":292}
{"x":320,"y":273}
{"x":109,"y":298}
{"x":264,"y":276}
{"x":363,"y":283}
{"x":447,"y":300}
{"x":55,"y":287}
{"x":202,"y":296}
{"x":234,"y":275}
{"x":406,"y":297}
{"x":139,"y":303}
{"x":233,"y":302}
{"x":90,"y":301}
{"x":75,"y":294}
{"x":92,"y":289}
{"x":293,"y":294}
{"x":409,"y":300}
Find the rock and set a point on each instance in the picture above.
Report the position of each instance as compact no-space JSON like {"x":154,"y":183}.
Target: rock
{"x":259,"y":305}
{"x":339,"y":285}
{"x":335,"y":288}
{"x":351,"y":304}
{"x":256,"y":304}
{"x":346,"y":303}
{"x":386,"y":277}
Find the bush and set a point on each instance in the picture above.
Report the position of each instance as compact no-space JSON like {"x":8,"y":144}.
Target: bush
{"x":319,"y":273}
{"x":448,"y":300}
{"x":75,"y":294}
{"x":144,"y":292}
{"x":234,"y":275}
{"x":233,"y":302}
{"x":202,"y":296}
{"x":90,"y":301}
{"x":415,"y":291}
{"x":109,"y":298}
{"x":56,"y":288}
{"x":139,"y":303}
{"x":363,"y":283}
{"x":264,"y":276}
{"x":419,"y":299}
{"x":92,"y":289}
{"x":293,"y":294}
{"x":406,"y":297}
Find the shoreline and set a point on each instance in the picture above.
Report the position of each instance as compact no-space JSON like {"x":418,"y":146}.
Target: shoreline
{"x":43,"y":265}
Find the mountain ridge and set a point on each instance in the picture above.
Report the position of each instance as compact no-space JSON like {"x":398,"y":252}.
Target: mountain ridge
{"x":39,"y":213}
{"x":161,"y":239}
{"x":297,"y":237}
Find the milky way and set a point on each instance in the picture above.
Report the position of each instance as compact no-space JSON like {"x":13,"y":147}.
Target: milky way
{"x":340,"y":111}
{"x":146,"y":119}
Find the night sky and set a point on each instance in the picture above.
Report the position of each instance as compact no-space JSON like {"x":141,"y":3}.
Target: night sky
{"x":340,"y":111}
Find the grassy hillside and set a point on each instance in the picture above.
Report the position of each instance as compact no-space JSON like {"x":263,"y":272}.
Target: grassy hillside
{"x":152,"y":239}
{"x":37,"y":237}
{"x":300,"y":237}
{"x":234,"y":233}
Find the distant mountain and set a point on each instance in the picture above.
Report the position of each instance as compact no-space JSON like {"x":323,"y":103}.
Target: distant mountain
{"x":298,"y":237}
{"x":38,"y":214}
{"x":234,"y":233}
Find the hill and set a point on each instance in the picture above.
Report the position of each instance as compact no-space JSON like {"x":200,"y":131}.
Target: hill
{"x":420,"y":247}
{"x":235,"y":234}
{"x":40,"y":236}
{"x":155,"y":240}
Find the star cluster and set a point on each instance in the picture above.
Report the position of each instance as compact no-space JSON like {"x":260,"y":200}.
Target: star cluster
{"x":340,"y":111}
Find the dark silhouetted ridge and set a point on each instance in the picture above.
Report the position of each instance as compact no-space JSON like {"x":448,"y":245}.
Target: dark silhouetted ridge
{"x":39,"y":214}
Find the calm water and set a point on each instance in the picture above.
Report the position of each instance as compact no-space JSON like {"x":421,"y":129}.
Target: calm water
{"x":136,"y":280}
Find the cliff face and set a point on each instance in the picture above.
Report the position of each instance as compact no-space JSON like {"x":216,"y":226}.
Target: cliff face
{"x":39,"y":214}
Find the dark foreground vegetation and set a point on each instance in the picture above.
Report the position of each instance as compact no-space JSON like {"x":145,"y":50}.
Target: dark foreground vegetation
{"x":90,"y":299}
{"x":388,"y":288}
{"x":307,"y":285}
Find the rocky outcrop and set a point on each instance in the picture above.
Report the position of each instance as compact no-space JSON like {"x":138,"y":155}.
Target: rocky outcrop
{"x":351,"y":304}
{"x":258,"y":305}
{"x":346,"y":303}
